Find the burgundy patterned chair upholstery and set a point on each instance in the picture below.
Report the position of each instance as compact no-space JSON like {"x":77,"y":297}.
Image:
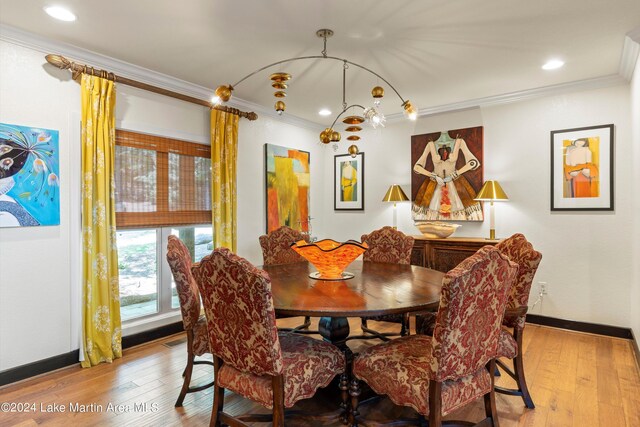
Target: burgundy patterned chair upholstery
{"x":276,"y":246}
{"x":394,"y":247}
{"x":520,"y":251}
{"x":179,"y":260}
{"x":251,"y":358}
{"x":437,"y":375}
{"x":276,"y":249}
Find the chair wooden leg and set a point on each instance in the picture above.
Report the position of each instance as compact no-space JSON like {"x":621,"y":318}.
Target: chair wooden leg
{"x":354,"y":392}
{"x":490,"y":398}
{"x":518,"y":369}
{"x":187,"y":380}
{"x":344,"y":394}
{"x":277,"y":384}
{"x":218,"y":396}
{"x":188,"y":370}
{"x":435,"y":404}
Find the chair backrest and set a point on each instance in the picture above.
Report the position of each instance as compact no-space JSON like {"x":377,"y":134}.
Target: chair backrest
{"x":469,"y":318}
{"x":276,"y":246}
{"x":388,"y":245}
{"x":179,"y":260}
{"x":520,"y":251}
{"x":238,"y":305}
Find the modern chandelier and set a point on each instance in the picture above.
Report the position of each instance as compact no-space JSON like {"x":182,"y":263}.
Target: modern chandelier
{"x":373,"y":115}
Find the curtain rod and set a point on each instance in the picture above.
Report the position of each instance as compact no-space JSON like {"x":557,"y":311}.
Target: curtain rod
{"x":77,"y":69}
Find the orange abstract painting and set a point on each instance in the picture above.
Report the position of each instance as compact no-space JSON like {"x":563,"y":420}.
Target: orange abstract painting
{"x":287,"y":188}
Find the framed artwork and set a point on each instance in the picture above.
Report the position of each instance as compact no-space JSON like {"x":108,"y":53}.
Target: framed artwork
{"x":29,"y":176}
{"x":348,"y":176}
{"x":287,"y":180}
{"x":582,"y":169}
{"x":446,"y":175}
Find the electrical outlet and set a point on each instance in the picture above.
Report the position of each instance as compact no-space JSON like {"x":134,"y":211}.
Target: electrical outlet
{"x":543,"y":288}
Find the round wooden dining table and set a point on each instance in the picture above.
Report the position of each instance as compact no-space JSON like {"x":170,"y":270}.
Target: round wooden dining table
{"x":376,"y":289}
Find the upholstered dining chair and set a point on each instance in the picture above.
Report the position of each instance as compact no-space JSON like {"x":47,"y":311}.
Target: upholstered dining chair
{"x":179,"y":260}
{"x":391,"y":246}
{"x":437,"y":375}
{"x":520,"y":251}
{"x":251,"y":357}
{"x":276,"y":249}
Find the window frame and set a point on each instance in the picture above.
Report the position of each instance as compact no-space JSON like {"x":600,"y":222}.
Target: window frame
{"x":162,"y":220}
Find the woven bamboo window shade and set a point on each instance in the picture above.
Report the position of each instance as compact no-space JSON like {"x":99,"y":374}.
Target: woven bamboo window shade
{"x":161,"y":181}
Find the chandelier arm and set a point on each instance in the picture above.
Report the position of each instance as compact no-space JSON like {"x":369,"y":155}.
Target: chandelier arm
{"x":321,"y":57}
{"x":344,"y":111}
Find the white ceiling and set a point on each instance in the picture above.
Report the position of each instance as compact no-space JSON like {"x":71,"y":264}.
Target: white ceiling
{"x":434,"y":52}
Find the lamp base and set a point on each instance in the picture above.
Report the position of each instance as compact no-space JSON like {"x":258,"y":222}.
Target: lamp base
{"x":492,"y":234}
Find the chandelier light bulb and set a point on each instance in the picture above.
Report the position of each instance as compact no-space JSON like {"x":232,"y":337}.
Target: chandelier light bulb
{"x":215,"y":100}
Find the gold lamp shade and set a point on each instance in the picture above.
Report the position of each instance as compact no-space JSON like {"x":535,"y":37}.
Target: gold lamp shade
{"x":491,"y":191}
{"x":395,"y":194}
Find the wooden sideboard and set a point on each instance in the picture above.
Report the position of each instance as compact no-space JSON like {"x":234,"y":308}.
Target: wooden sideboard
{"x":445,"y":254}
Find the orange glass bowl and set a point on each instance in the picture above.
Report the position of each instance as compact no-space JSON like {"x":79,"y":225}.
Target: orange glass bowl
{"x":329,"y":257}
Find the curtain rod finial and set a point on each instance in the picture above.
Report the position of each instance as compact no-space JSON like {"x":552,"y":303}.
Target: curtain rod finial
{"x":58,"y":61}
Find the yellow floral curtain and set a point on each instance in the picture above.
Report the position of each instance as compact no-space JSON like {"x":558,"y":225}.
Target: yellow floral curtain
{"x":102,"y":336}
{"x":224,"y":156}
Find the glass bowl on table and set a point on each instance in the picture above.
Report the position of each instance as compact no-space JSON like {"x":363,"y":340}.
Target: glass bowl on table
{"x":329,"y":257}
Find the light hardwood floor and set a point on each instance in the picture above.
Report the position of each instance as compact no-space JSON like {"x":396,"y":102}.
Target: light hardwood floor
{"x":575,"y":379}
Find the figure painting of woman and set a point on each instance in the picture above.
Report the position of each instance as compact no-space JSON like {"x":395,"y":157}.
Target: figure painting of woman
{"x":348,"y":181}
{"x":446,"y":194}
{"x":580,"y":170}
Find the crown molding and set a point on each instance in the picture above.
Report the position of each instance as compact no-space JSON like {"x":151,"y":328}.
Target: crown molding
{"x":630,"y":52}
{"x":524,"y":95}
{"x":46,"y":45}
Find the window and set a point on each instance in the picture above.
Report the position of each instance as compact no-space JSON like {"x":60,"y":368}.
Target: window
{"x":162,"y":187}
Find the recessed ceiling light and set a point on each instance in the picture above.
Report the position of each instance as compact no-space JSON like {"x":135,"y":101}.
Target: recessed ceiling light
{"x":60,"y":13}
{"x":553,"y":64}
{"x":324,"y":112}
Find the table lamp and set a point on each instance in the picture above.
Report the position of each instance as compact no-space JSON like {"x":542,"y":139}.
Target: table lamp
{"x":395,"y":194}
{"x":491,"y":192}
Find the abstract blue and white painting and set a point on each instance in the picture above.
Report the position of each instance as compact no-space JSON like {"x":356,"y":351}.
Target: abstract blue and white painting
{"x":29,"y":176}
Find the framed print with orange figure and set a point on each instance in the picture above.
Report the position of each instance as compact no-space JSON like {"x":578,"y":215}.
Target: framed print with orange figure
{"x":582,"y":169}
{"x":348,"y":189}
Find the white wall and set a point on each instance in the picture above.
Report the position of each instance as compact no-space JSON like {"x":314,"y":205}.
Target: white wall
{"x":35,"y":273}
{"x":587,"y":257}
{"x":635,"y":196}
{"x":39,"y":278}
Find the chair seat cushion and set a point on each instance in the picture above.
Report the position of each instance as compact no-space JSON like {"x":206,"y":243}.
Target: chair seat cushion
{"x":507,"y":345}
{"x":200,"y":337}
{"x":308,"y":364}
{"x":400,"y":369}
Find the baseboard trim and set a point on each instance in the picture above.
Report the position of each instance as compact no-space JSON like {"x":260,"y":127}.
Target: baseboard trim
{"x":53,"y":363}
{"x":636,"y":350}
{"x":572,"y":325}
{"x":152,"y":334}
{"x":38,"y":367}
